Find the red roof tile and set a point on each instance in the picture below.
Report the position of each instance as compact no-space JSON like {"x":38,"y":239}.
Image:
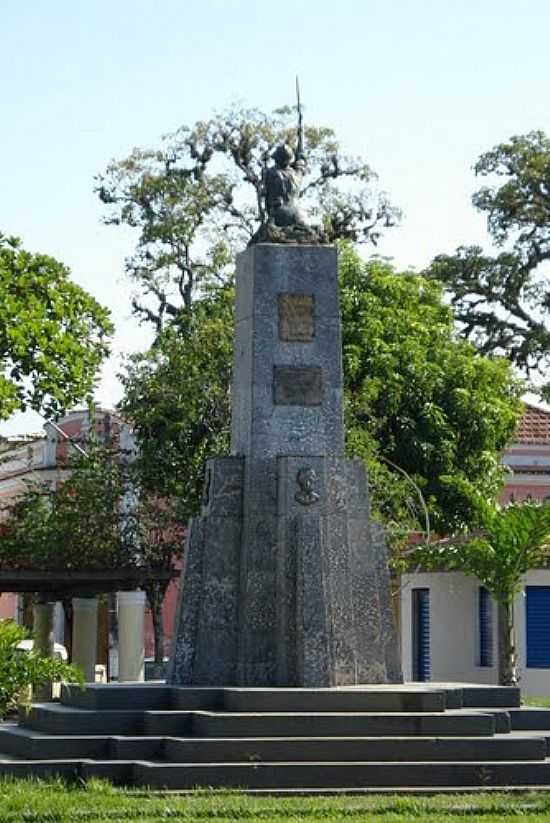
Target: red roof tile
{"x":534,"y":427}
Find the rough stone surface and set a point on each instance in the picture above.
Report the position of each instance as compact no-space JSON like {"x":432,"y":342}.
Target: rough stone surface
{"x":285,"y":579}
{"x":207,"y":616}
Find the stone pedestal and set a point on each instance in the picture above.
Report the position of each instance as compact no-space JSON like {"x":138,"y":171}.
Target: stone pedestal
{"x":131,"y":607}
{"x":285,"y":578}
{"x":84,"y":647}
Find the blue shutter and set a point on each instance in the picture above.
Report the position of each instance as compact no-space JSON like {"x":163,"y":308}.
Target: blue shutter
{"x":538,"y":626}
{"x":421,"y":634}
{"x":485,"y":623}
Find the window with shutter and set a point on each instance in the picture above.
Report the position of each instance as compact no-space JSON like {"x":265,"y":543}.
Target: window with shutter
{"x":485,"y":627}
{"x":421,"y":634}
{"x":537,"y":605}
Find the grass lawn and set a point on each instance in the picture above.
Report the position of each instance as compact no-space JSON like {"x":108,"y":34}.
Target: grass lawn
{"x":98,"y":801}
{"x":543,"y":702}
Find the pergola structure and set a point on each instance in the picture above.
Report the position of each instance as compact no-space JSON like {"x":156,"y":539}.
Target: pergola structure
{"x":82,"y":588}
{"x":63,"y":584}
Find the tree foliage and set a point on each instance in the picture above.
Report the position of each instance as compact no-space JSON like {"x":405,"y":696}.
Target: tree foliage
{"x":53,"y":334}
{"x":97,"y":517}
{"x":101,"y":516}
{"x":80,"y":523}
{"x":197,"y":200}
{"x":415,"y":395}
{"x":20,"y":670}
{"x":177,"y":395}
{"x":507,"y":543}
{"x":502,"y":302}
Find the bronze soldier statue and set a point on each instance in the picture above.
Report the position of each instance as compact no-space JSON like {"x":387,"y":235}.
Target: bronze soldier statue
{"x":282,"y":183}
{"x":285,"y":222}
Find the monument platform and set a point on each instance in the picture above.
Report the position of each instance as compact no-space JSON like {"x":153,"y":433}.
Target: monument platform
{"x":368,"y":738}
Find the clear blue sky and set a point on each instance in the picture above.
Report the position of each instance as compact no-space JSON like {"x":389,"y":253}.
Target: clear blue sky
{"x":418,"y":88}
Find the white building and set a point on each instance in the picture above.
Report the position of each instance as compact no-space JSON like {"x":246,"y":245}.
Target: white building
{"x":448,"y":620}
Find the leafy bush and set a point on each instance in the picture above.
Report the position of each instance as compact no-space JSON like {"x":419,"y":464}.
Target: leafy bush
{"x":20,"y":669}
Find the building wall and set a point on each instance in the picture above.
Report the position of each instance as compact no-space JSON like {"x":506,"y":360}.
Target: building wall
{"x":8,"y":606}
{"x":168,"y":617}
{"x":454,"y":606}
{"x":454,"y":630}
{"x":453,"y":627}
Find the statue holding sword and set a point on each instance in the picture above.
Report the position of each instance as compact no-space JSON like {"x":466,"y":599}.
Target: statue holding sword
{"x":282,"y":183}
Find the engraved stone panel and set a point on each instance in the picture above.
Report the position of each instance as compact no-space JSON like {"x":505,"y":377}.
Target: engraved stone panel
{"x":223,"y":487}
{"x":297,"y":386}
{"x":296,"y":321}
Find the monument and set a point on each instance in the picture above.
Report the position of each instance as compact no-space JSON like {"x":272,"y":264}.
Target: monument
{"x":285,"y":579}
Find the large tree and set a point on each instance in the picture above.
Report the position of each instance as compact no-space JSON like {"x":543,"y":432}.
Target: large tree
{"x":177,"y":396}
{"x":415,"y":395}
{"x":419,"y":396}
{"x":502,"y":301}
{"x":53,"y":334}
{"x":197,"y":199}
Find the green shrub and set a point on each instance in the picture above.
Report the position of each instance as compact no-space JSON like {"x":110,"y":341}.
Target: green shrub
{"x":20,"y":669}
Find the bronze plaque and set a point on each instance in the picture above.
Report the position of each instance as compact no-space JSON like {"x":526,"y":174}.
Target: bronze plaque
{"x":296,"y":322}
{"x":297,"y":386}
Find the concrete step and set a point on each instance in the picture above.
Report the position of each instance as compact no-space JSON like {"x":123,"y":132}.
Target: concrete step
{"x":490,"y":696}
{"x":227,"y":750}
{"x":161,"y":723}
{"x":301,"y":777}
{"x":530,"y":718}
{"x":408,"y":697}
{"x":316,"y":724}
{"x":58,"y":719}
{"x":332,"y":700}
{"x":503,"y":723}
{"x":117,"y":771}
{"x":161,"y":697}
{"x":34,"y":745}
{"x":474,"y":695}
{"x":144,"y":696}
{"x":29,"y":744}
{"x":53,"y":718}
{"x":342,"y":775}
{"x":119,"y":696}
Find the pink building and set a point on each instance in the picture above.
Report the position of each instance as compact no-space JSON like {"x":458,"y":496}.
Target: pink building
{"x":528,"y":458}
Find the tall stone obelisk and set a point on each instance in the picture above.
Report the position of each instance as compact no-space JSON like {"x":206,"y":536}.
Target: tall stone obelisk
{"x":285,"y":579}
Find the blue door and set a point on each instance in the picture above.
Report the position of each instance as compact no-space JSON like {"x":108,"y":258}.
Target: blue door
{"x":422,"y":664}
{"x":537,"y":607}
{"x":485,"y":624}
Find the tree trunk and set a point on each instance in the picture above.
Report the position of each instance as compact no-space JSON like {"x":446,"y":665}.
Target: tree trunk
{"x":507,"y":658}
{"x":155,"y":597}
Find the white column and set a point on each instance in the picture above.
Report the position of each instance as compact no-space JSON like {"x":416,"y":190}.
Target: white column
{"x":43,"y":641}
{"x":85,"y":635}
{"x":131,"y":608}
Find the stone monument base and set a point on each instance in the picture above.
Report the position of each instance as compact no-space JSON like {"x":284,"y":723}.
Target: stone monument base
{"x":323,"y":619}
